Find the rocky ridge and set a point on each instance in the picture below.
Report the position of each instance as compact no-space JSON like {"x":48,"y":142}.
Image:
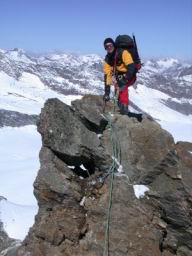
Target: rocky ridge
{"x":16,"y":119}
{"x":72,"y":186}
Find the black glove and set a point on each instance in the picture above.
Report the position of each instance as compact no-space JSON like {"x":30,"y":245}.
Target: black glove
{"x":107,"y":93}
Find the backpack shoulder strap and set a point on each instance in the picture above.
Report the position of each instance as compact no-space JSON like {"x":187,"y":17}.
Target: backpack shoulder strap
{"x":107,"y":59}
{"x":118,"y":57}
{"x":115,"y":61}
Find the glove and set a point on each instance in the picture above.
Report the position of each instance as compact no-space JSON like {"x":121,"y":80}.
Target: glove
{"x":107,"y":93}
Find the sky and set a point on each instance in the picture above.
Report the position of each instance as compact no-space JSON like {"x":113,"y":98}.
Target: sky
{"x":163,"y":28}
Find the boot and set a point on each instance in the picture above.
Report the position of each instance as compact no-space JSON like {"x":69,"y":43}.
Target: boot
{"x":125,"y":111}
{"x":138,"y":116}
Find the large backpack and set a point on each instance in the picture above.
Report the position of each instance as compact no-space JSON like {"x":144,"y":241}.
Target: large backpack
{"x":129,"y":43}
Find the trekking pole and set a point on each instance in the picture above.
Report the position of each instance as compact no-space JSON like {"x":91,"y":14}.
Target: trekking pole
{"x":135,"y":44}
{"x":137,"y":53}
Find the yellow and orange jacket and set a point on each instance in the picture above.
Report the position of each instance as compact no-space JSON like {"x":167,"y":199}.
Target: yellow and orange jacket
{"x":121,"y":66}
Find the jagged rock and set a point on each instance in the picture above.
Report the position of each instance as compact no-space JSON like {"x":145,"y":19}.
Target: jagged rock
{"x":184,"y":150}
{"x":55,"y":180}
{"x":90,"y":108}
{"x":184,"y":251}
{"x":73,"y":207}
{"x":64,"y":133}
{"x":143,"y":145}
{"x":167,"y":253}
{"x":70,"y":229}
{"x":11,"y":250}
{"x":5,"y":241}
{"x":171,"y":180}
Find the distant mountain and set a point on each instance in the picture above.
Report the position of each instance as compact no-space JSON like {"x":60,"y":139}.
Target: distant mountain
{"x":65,"y":73}
{"x":27,"y":81}
{"x":173,"y":78}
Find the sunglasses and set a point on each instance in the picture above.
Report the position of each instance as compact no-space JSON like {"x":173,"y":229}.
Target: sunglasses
{"x":108,"y":46}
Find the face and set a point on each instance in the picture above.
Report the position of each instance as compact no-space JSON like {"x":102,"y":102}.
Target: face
{"x":109,"y":47}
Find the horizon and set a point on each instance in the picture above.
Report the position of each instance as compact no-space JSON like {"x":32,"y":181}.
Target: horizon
{"x":162,"y":28}
{"x":59,"y":52}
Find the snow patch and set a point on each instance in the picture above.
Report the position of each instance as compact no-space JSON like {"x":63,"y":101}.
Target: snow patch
{"x":83,"y":201}
{"x":83,"y":167}
{"x":71,"y":166}
{"x":187,"y":78}
{"x":120,"y":167}
{"x":140,"y":190}
{"x":31,"y":80}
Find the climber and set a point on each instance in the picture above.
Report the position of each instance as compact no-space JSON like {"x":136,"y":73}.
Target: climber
{"x":119,"y":70}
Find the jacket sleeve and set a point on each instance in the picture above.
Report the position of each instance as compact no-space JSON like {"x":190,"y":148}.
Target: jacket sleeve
{"x":129,"y":63}
{"x":107,"y":73}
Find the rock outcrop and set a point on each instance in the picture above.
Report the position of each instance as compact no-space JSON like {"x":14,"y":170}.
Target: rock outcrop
{"x":73,"y":185}
{"x":7,"y":243}
{"x":16,"y":119}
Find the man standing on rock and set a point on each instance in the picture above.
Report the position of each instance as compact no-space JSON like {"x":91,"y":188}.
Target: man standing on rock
{"x":119,"y":69}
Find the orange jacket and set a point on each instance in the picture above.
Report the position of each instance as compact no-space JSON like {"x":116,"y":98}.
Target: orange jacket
{"x":121,"y":66}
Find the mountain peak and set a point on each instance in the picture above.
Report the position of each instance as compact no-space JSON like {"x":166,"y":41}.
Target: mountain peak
{"x":17,"y":54}
{"x":167,"y":62}
{"x":19,"y":50}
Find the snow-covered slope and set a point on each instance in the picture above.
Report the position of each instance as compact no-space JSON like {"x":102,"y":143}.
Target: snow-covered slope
{"x":19,"y":164}
{"x":19,"y":153}
{"x":152,"y":101}
{"x":27,"y":94}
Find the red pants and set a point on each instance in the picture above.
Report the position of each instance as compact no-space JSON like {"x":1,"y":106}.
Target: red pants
{"x":124,"y":93}
{"x":124,"y":96}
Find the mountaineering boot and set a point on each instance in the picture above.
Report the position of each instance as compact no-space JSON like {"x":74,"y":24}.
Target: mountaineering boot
{"x":124,"y":111}
{"x":138,"y":116}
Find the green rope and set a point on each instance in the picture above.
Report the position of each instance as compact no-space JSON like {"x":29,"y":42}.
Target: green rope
{"x":115,"y":99}
{"x":116,"y":153}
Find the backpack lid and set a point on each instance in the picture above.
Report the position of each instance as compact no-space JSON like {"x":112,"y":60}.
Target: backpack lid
{"x":124,"y":41}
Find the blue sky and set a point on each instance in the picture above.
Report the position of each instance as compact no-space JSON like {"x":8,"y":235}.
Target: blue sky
{"x":163,"y":28}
